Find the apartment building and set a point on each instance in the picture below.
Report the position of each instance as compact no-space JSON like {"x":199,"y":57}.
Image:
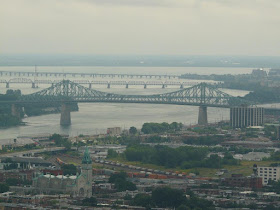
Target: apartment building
{"x":268,"y":173}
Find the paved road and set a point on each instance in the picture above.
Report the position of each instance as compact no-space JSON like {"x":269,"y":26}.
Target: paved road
{"x":18,"y":154}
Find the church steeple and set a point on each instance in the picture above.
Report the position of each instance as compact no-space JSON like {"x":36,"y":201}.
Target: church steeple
{"x":86,"y":159}
{"x":86,"y":173}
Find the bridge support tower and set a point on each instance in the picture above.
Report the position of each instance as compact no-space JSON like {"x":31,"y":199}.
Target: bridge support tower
{"x":126,"y":86}
{"x":89,"y":85}
{"x":109,"y":85}
{"x":16,"y":111}
{"x":33,"y":85}
{"x":202,"y":115}
{"x":145,"y":86}
{"x":7,"y":85}
{"x":65,"y":117}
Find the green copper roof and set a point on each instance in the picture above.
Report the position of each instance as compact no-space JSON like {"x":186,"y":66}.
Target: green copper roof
{"x":86,"y":158}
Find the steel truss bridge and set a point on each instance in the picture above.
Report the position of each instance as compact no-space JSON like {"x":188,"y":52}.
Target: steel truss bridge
{"x":67,"y":92}
{"x":90,"y":83}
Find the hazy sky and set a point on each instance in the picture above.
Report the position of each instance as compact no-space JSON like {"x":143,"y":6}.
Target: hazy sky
{"x":190,"y":27}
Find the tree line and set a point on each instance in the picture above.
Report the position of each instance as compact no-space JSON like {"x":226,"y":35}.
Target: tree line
{"x":150,"y":128}
{"x":183,"y":157}
{"x":166,"y":197}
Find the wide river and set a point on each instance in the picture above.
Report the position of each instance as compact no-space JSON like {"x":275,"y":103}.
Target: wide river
{"x":94,"y":118}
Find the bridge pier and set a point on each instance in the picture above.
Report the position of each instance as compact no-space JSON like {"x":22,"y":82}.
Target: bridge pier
{"x":65,"y":117}
{"x":109,"y":85}
{"x":126,"y":86}
{"x":16,"y":111}
{"x":163,"y":86}
{"x":33,"y":85}
{"x":202,"y":115}
{"x":89,"y":85}
{"x":145,"y":86}
{"x":7,"y":85}
{"x":181,"y":86}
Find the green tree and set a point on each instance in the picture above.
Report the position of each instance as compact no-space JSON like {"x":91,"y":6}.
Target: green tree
{"x":12,"y":182}
{"x":89,"y":201}
{"x":60,"y":141}
{"x":112,"y":153}
{"x":183,"y":207}
{"x":167,"y":197}
{"x":132,"y":130}
{"x":57,"y":139}
{"x":122,"y":175}
{"x":149,"y":128}
{"x":4,"y":187}
{"x":121,"y":183}
{"x":144,"y":200}
{"x":69,"y":169}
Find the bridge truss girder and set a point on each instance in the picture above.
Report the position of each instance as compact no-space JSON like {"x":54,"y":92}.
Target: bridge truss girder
{"x":201,"y":94}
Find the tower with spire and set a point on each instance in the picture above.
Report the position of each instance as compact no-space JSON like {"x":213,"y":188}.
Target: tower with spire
{"x":86,"y":172}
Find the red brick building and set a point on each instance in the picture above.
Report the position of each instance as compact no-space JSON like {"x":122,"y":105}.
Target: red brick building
{"x":238,"y":180}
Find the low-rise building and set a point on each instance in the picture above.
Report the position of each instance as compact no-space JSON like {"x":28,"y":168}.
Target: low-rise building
{"x":238,"y":180}
{"x":114,"y":131}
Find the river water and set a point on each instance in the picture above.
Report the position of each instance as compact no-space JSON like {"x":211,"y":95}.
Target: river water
{"x":94,"y":118}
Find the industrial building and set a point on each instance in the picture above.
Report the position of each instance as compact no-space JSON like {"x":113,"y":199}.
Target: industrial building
{"x":241,"y":117}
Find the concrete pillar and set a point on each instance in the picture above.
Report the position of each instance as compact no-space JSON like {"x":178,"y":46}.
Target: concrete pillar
{"x":109,"y":85}
{"x":145,"y":86}
{"x":65,"y":117}
{"x":16,"y":111}
{"x":89,"y":85}
{"x":7,"y":85}
{"x":202,"y":115}
{"x":181,"y":86}
{"x":33,"y":85}
{"x":126,"y":86}
{"x":163,"y":86}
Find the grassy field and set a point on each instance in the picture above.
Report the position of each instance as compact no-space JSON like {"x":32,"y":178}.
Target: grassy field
{"x":245,"y":168}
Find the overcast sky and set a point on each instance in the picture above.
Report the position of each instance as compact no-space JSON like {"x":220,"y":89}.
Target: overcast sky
{"x":182,"y":27}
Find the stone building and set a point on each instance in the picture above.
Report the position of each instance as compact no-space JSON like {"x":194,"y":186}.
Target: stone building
{"x":77,"y":186}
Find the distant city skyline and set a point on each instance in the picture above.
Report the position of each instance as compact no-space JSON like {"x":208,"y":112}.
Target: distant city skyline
{"x":140,"y":27}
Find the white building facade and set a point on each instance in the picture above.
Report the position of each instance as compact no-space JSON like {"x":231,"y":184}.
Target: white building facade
{"x":268,"y":173}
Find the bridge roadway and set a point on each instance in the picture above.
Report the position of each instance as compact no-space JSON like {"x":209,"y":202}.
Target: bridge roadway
{"x":90,"y":83}
{"x":76,"y":74}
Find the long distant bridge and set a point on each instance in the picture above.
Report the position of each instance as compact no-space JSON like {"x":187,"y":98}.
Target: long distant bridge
{"x":90,"y":83}
{"x":76,"y":74}
{"x":67,"y":92}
